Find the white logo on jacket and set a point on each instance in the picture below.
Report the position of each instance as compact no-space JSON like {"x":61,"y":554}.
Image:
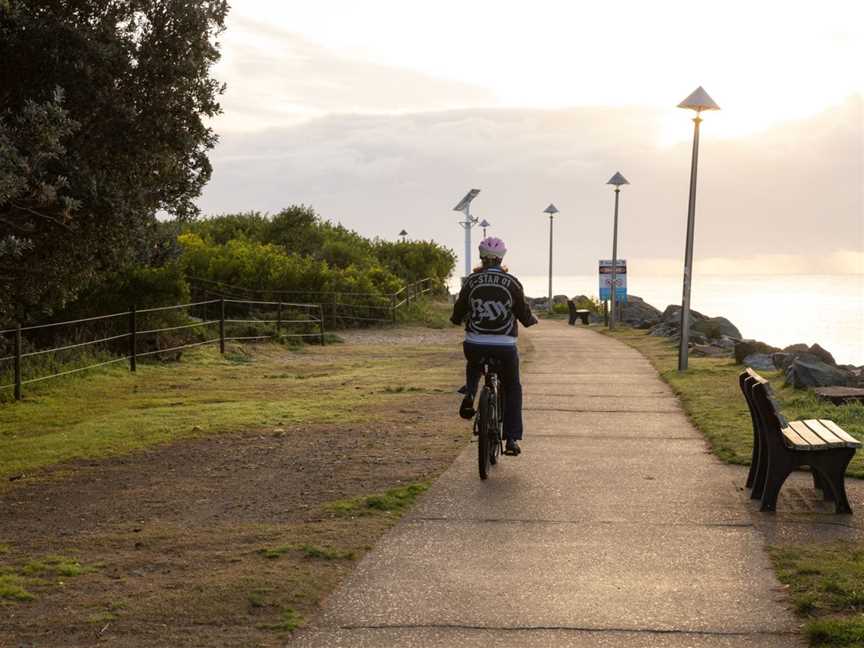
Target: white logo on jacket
{"x":491,"y":309}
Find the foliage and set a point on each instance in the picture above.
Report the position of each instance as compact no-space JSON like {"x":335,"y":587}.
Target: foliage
{"x":415,"y":260}
{"x":102,"y":126}
{"x":299,"y":233}
{"x":139,"y":285}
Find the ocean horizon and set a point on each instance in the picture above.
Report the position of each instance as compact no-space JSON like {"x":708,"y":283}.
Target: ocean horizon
{"x":776,"y":309}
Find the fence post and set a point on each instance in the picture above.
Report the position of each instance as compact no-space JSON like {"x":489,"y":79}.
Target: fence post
{"x":321,"y":322}
{"x":278,"y":318}
{"x":393,"y":306}
{"x":133,"y":339}
{"x":222,"y":326}
{"x":18,"y":362}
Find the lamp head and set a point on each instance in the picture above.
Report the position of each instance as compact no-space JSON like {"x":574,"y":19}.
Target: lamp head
{"x":699,"y":100}
{"x":551,"y":209}
{"x":618,"y":180}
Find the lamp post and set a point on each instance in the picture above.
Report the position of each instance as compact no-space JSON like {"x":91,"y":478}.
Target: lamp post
{"x":617,"y":180}
{"x":404,"y":235}
{"x":699,"y":100}
{"x":464,"y":206}
{"x":551,"y":210}
{"x":484,"y":224}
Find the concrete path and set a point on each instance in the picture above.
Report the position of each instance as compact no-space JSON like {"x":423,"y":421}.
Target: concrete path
{"x":614,"y":528}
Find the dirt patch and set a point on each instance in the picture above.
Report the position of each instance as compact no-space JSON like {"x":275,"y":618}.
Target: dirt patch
{"x":407,"y":336}
{"x":220,"y":541}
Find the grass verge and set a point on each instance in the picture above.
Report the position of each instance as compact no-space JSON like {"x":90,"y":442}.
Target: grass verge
{"x":826,"y":584}
{"x":825,"y":580}
{"x":711,"y":397}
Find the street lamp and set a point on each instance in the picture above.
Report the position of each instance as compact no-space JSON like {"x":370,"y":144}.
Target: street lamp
{"x":404,"y":235}
{"x":699,"y":100}
{"x":484,"y":224}
{"x":551,"y":210}
{"x":617,"y":180}
{"x":464,"y":206}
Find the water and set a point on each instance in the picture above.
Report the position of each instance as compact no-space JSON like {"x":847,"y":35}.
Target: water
{"x":777,"y":309}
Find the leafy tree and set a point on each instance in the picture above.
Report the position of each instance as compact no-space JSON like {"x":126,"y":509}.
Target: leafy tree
{"x":102,"y":109}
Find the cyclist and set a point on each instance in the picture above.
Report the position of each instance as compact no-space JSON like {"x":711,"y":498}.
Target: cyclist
{"x":491,"y":303}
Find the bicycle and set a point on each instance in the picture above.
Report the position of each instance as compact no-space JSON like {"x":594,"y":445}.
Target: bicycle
{"x":489,"y":420}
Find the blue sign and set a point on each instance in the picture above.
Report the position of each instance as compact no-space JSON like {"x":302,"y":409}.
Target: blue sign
{"x":605,"y":268}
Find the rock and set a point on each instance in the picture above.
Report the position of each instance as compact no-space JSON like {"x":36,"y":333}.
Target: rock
{"x":709,"y":351}
{"x":822,"y":354}
{"x":638,"y":312}
{"x":560,"y":299}
{"x":783,"y":359}
{"x":760,"y":361}
{"x":814,"y":373}
{"x":745,"y":348}
{"x":792,"y":348}
{"x":716,"y":328}
{"x":696,"y":338}
{"x":672,"y":315}
{"x":841,"y":395}
{"x":726,"y":343}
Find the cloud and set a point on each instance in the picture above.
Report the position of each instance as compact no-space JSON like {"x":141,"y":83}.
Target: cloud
{"x":277,"y":77}
{"x":793,"y":193}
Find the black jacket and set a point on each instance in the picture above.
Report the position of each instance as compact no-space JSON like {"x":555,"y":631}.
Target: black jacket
{"x":493,"y":302}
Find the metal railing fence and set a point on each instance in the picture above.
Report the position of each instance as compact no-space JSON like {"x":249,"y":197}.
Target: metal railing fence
{"x":139,"y":333}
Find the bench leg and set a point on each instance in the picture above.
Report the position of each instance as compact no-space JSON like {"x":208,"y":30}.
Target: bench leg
{"x":819,"y":483}
{"x":776,"y":473}
{"x":833,"y":472}
{"x":754,"y":461}
{"x":760,"y":475}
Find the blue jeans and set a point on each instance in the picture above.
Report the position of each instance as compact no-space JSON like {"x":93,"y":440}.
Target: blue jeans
{"x":508,"y":357}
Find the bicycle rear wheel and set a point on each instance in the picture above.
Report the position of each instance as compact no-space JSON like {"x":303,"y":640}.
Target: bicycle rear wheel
{"x":486,"y":421}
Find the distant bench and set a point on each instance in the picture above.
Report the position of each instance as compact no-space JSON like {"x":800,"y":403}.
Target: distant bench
{"x":577,"y":313}
{"x":781,"y":446}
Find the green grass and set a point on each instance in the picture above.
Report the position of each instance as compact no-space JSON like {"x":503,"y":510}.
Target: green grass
{"x":112,"y":411}
{"x":395,"y":500}
{"x":57,"y":566}
{"x":309,"y":551}
{"x":425,"y":311}
{"x":826,"y":585}
{"x":710,"y":395}
{"x":13,"y":588}
{"x":289,"y":621}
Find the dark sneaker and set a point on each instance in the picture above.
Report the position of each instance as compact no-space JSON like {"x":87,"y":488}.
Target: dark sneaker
{"x":512,"y":448}
{"x":466,"y":409}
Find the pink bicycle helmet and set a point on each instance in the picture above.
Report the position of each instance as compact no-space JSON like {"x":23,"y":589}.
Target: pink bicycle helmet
{"x":492,"y":247}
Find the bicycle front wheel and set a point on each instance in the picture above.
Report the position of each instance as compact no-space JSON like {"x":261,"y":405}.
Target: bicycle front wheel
{"x":484,"y":445}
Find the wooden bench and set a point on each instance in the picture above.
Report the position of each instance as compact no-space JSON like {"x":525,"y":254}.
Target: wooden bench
{"x":781,"y":446}
{"x":580,"y":313}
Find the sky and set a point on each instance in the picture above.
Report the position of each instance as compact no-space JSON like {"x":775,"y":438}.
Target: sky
{"x":382,"y":115}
